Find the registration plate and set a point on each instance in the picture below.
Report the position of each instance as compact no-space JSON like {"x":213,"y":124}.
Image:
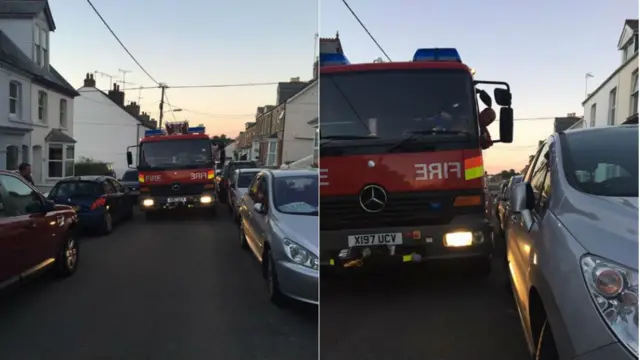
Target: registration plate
{"x":76,"y":208}
{"x":176,"y":199}
{"x":375,"y":239}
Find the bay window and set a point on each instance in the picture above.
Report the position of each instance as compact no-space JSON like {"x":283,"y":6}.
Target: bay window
{"x":60,"y":160}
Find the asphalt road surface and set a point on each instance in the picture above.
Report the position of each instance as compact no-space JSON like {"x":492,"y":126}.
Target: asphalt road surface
{"x":441,"y":312}
{"x":175,"y":289}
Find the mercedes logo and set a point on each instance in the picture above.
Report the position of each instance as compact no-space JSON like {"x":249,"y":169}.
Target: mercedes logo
{"x":373,"y":198}
{"x":175,"y":186}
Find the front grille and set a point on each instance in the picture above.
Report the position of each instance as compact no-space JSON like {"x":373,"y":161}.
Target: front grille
{"x":402,"y":209}
{"x":167,"y":190}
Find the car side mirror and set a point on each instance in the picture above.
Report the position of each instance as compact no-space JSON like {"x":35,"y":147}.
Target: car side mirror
{"x":259,"y":208}
{"x":523,"y":202}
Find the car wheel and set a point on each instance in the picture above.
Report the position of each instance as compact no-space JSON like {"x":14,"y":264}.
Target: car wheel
{"x":107,"y":223}
{"x":275,"y":295}
{"x":67,"y":261}
{"x":243,"y":238}
{"x":546,"y":346}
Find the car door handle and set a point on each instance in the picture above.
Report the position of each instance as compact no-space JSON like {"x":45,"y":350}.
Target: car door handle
{"x":30,"y":225}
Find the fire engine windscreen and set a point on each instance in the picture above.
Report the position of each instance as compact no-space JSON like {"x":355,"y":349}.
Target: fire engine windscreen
{"x":393,"y":104}
{"x":176,"y":154}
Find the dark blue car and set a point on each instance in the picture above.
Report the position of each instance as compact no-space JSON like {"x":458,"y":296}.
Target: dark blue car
{"x":99,"y":201}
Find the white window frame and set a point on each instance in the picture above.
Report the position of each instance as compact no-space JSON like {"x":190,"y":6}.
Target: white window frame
{"x":272,"y":153}
{"x":17,"y":99}
{"x":611,"y":111}
{"x":43,"y":102}
{"x":633,"y":103}
{"x":64,"y":107}
{"x":68,"y":159}
{"x":37,"y":46}
{"x":592,"y":116}
{"x":44,"y":45}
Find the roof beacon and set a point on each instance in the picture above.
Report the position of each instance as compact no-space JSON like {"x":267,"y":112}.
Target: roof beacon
{"x":333,"y":59}
{"x":436,"y":54}
{"x":176,"y":128}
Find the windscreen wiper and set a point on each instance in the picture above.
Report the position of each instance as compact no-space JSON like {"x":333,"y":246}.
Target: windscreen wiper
{"x":327,"y":139}
{"x":419,"y":133}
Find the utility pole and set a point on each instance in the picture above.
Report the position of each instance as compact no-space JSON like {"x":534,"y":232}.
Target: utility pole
{"x":124,"y":75}
{"x":163,"y":87}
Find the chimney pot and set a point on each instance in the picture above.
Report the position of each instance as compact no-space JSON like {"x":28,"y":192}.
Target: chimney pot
{"x":89,"y":81}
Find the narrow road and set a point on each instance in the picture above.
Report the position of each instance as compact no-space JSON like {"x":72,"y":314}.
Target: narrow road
{"x":441,"y":312}
{"x":175,"y":289}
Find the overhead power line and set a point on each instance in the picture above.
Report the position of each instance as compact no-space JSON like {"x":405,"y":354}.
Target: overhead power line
{"x":121,"y":44}
{"x":365,"y":29}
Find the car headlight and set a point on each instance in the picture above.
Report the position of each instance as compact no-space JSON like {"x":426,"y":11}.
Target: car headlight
{"x":300,"y":255}
{"x":614,"y":289}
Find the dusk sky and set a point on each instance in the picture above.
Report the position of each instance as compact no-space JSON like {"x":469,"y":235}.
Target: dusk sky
{"x":542,"y":49}
{"x":199,"y":42}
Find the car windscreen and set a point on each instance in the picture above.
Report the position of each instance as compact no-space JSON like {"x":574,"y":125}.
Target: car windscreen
{"x":130,"y":176}
{"x":245,"y":178}
{"x":176,"y":154}
{"x":603,"y":162}
{"x":394,"y":104}
{"x":76,"y":189}
{"x":296,"y":194}
{"x":233,"y":166}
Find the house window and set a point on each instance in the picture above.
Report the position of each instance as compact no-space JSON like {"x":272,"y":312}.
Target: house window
{"x":15,"y":97}
{"x":61,"y":160}
{"x":592,"y":116}
{"x":63,"y":113}
{"x":42,"y":106}
{"x":37,"y":46}
{"x":12,"y":157}
{"x":611,"y":116}
{"x":272,"y":151}
{"x":44,"y":44}
{"x":634,"y":93}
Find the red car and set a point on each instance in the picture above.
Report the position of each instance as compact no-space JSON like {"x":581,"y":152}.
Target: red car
{"x":35,"y":234}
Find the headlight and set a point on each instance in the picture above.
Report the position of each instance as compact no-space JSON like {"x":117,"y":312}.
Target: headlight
{"x":300,"y":255}
{"x":614,"y":289}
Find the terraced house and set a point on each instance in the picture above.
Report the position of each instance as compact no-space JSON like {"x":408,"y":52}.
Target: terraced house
{"x":36,"y":115}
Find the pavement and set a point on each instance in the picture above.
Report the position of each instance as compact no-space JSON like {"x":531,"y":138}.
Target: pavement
{"x":175,"y":289}
{"x":437,"y":312}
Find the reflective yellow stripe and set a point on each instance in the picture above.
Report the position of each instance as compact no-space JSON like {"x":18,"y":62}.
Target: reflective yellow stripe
{"x":474,"y":173}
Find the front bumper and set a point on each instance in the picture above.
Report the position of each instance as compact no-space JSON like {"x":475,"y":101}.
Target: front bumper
{"x":419,"y":244}
{"x":152,"y":203}
{"x":90,"y":219}
{"x":614,"y":351}
{"x":298,"y":282}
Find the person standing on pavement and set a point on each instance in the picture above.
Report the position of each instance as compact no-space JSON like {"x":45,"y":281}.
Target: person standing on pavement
{"x":25,"y":172}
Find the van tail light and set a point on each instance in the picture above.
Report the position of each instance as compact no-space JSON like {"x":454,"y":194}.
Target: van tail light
{"x":100,"y":202}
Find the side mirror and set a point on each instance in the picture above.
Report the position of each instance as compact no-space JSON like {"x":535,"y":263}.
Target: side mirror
{"x":506,"y":125}
{"x":129,"y":158}
{"x":259,"y":208}
{"x":502,"y":96}
{"x":523,"y":202}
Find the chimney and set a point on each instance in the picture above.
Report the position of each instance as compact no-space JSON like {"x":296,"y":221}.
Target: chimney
{"x":295,"y":80}
{"x":133,"y":109}
{"x":144,"y":117}
{"x":571,"y":115}
{"x":89,"y":81}
{"x":116,"y":95}
{"x":153,"y":123}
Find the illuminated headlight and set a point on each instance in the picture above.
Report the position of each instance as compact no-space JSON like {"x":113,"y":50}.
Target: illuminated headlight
{"x":147,"y":202}
{"x":206,"y":199}
{"x":458,"y":239}
{"x":300,"y":255}
{"x":614,"y":289}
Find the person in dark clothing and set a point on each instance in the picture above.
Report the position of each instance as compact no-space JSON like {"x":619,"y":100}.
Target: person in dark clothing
{"x":25,"y":172}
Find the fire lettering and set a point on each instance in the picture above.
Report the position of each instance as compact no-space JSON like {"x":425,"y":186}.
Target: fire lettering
{"x":199,"y":176}
{"x":438,"y":171}
{"x":324,"y":177}
{"x":152,"y":178}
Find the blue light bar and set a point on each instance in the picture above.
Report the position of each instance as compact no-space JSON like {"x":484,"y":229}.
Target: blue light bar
{"x":333,"y":59}
{"x":435,"y":54}
{"x":196,"y":130}
{"x":153,"y":132}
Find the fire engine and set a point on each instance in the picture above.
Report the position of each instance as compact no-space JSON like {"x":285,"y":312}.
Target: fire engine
{"x":401,"y":160}
{"x":175,"y":169}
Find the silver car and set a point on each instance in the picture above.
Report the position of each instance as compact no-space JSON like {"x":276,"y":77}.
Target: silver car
{"x":238,"y":186}
{"x":279,"y":224}
{"x":572,"y":246}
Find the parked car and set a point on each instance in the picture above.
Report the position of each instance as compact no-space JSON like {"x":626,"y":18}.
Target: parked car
{"x":238,"y":185}
{"x":35,"y":234}
{"x":222,"y":180}
{"x":573,"y":246}
{"x":279,"y":224}
{"x":100,"y":201}
{"x":130,"y":181}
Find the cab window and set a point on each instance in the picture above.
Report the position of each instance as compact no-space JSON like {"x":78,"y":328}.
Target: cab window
{"x":22,"y":199}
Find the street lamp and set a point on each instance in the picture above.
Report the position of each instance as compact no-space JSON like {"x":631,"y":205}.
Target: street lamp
{"x":174,"y":110}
